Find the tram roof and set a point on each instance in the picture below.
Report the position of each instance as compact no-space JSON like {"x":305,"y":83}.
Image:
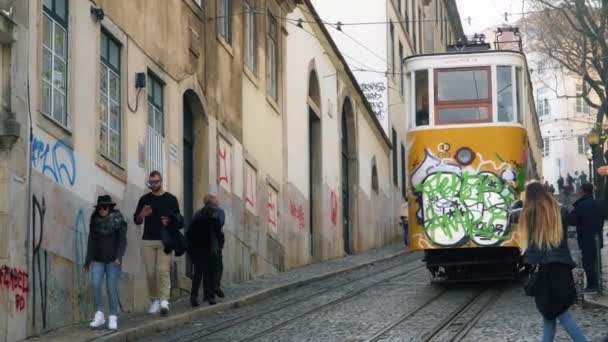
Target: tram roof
{"x":471,"y":52}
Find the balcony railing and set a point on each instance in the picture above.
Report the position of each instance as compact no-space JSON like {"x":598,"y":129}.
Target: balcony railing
{"x":155,"y":151}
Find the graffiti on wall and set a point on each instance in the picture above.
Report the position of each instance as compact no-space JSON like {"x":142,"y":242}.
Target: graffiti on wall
{"x":250,"y":188}
{"x":273,"y":210}
{"x":297,"y":212}
{"x":80,"y":250}
{"x":55,"y":160}
{"x":375,"y":93}
{"x":461,"y":204}
{"x":333,"y":200}
{"x":16,"y":282}
{"x":48,"y":286}
{"x":39,"y":262}
{"x":224,"y":164}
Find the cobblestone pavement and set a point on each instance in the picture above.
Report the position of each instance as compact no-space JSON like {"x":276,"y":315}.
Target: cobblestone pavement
{"x":388,"y":301}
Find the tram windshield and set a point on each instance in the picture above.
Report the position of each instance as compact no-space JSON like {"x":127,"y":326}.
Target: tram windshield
{"x":463,"y":95}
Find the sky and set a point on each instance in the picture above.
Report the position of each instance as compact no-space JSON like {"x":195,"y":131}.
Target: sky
{"x":487,"y":13}
{"x":365,"y":46}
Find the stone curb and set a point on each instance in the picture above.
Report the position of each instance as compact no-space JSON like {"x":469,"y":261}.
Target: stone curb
{"x":163,"y":324}
{"x":592,"y":302}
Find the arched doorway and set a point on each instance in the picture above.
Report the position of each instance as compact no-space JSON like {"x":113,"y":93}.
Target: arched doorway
{"x":194,"y":157}
{"x":349,"y":168}
{"x":315,"y":176}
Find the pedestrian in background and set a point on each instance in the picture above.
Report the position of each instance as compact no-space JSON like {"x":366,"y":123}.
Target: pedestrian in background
{"x":543,"y":225}
{"x":105,"y":248}
{"x":403,"y":213}
{"x":158,"y":210}
{"x":205,"y":238}
{"x":588,"y":217}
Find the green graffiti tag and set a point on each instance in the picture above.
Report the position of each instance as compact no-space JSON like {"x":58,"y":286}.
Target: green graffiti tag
{"x":458,"y":207}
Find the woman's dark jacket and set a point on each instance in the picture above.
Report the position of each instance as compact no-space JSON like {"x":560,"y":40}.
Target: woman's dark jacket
{"x":205,"y":236}
{"x":107,"y":238}
{"x":555,"y":285}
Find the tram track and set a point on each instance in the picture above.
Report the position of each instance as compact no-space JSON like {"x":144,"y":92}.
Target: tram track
{"x":455,"y":326}
{"x":231,"y":323}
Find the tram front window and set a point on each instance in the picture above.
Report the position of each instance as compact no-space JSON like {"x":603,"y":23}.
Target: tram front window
{"x":422,"y":98}
{"x":462,"y":95}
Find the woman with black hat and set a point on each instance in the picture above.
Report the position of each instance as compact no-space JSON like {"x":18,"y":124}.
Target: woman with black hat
{"x":106,"y":247}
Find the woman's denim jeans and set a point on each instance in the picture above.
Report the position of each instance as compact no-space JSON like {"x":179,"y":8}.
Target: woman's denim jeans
{"x":112,"y":273}
{"x":568,"y":322}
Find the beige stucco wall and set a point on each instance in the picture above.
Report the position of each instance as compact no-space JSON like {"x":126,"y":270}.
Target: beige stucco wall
{"x":231,"y":110}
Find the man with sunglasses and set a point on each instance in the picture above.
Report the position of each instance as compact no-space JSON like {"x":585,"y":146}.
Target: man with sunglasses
{"x":157,"y":210}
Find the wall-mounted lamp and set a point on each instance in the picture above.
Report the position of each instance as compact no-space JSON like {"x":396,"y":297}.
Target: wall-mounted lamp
{"x":140,"y":80}
{"x":97,"y":13}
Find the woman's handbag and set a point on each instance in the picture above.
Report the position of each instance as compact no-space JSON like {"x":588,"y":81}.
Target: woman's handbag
{"x":531,"y":284}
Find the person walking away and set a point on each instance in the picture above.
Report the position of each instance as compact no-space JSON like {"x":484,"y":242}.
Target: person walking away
{"x":403,"y":213}
{"x":204,"y":237}
{"x":157,"y":210}
{"x":105,"y":248}
{"x":588,"y":217}
{"x":543,"y":226}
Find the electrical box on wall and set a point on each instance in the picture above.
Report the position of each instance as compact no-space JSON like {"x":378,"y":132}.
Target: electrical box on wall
{"x":140,"y":80}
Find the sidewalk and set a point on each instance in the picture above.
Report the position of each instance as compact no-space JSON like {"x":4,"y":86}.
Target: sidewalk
{"x":137,"y":325}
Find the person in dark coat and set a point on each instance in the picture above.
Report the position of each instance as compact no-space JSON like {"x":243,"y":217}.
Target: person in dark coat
{"x":588,"y":217}
{"x":205,"y":239}
{"x":106,"y":246}
{"x":543,"y":226}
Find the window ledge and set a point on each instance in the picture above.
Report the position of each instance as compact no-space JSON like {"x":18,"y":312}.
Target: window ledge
{"x":251,"y":76}
{"x":55,"y":129}
{"x":225,"y":44}
{"x":116,"y":170}
{"x":273,"y":104}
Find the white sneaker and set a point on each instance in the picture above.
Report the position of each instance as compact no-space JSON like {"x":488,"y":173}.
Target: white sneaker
{"x":154,"y":308}
{"x":164,"y":308}
{"x":98,"y":321}
{"x":113,"y":323}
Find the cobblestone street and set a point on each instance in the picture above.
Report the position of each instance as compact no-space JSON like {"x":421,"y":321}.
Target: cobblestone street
{"x":388,"y":301}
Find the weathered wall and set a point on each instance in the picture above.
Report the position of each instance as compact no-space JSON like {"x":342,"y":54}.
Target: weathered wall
{"x":247,"y":148}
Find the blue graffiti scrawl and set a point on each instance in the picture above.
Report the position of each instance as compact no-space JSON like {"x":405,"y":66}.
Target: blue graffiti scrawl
{"x":56,"y":160}
{"x":458,"y":205}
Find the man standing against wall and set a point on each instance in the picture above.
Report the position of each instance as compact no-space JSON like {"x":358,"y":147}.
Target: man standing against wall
{"x":157,"y":210}
{"x":588,"y":217}
{"x":205,"y":240}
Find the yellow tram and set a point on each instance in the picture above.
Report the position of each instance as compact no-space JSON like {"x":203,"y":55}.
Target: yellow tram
{"x":473,"y":141}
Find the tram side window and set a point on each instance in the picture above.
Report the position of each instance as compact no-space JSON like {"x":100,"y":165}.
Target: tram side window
{"x":422,"y":97}
{"x":518,"y":96}
{"x":504,"y":93}
{"x":462,"y":95}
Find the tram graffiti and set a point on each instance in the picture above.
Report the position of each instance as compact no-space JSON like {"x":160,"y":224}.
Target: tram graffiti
{"x":458,"y":204}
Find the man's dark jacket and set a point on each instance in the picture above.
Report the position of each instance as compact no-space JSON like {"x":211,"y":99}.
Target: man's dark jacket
{"x":588,"y":217}
{"x":205,"y":237}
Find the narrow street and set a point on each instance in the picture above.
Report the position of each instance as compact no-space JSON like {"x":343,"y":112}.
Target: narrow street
{"x":388,"y":301}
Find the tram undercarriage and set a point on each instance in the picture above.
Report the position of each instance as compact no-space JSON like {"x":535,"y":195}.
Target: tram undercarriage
{"x":473,"y":264}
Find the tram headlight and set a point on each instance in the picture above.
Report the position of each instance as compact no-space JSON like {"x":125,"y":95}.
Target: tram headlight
{"x":465,"y":156}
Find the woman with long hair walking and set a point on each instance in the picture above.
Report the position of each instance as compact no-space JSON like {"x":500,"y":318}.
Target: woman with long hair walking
{"x":543,"y":227}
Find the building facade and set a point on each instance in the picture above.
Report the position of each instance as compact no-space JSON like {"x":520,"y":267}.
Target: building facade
{"x":230,"y":96}
{"x":565,"y":120}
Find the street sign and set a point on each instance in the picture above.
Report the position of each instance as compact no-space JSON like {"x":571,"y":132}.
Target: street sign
{"x":602,"y":171}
